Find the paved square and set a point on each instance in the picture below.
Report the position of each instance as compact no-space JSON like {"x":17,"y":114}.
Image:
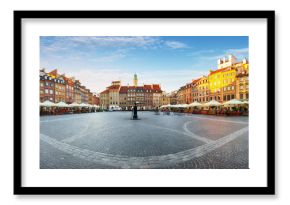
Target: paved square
{"x":111,"y":140}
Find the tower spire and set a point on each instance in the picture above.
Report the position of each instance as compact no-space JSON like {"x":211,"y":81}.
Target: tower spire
{"x":135,"y":80}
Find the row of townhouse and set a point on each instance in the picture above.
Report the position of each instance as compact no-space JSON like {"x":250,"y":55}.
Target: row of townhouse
{"x":57,"y":87}
{"x":229,"y":81}
{"x":147,"y":97}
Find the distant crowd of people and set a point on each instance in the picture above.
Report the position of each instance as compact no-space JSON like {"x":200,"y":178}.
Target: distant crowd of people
{"x":64,"y":110}
{"x":225,"y":111}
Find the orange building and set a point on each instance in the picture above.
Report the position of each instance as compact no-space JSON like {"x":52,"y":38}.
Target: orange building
{"x":90,"y":97}
{"x":69,"y":97}
{"x":59,"y":86}
{"x":96,"y":99}
{"x":188,"y":93}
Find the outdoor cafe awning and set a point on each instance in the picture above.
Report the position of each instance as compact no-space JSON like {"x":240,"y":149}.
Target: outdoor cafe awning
{"x":195,"y":104}
{"x":47,"y":103}
{"x":62,"y":104}
{"x":233,"y":102}
{"x":212,"y":103}
{"x":74,"y":104}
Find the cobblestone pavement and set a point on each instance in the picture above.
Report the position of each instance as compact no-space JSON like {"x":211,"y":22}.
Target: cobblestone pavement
{"x":111,"y":140}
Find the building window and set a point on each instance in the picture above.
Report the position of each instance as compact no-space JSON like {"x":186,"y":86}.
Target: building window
{"x":233,"y":87}
{"x":46,"y":91}
{"x":51,"y":91}
{"x":233,"y":96}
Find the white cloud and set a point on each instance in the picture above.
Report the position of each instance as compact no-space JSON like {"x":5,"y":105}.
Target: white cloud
{"x":175,"y":44}
{"x":98,"y":79}
{"x":115,"y":41}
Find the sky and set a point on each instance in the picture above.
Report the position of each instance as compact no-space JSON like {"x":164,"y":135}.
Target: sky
{"x":171,"y":61}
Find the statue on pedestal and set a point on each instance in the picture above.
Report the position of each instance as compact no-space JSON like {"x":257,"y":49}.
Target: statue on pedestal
{"x":135,"y":116}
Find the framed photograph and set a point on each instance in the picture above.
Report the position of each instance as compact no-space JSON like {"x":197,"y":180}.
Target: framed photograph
{"x":144,"y":102}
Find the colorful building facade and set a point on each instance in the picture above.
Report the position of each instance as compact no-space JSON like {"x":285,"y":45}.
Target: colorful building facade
{"x":229,"y":81}
{"x":57,"y":87}
{"x":147,"y":97}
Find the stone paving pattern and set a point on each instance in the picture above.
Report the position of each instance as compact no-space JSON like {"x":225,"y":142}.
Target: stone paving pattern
{"x":112,"y":140}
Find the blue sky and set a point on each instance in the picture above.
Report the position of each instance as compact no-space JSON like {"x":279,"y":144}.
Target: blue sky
{"x":171,"y":61}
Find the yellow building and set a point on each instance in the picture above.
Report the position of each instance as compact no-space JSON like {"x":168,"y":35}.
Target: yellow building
{"x":165,"y":98}
{"x":223,"y":81}
{"x":181,"y":95}
{"x":201,"y":90}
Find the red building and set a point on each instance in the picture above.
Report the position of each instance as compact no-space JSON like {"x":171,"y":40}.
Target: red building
{"x":96,"y":99}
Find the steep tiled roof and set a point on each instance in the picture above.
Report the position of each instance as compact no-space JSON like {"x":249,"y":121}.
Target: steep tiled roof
{"x":219,"y":70}
{"x":139,"y":88}
{"x":147,"y":87}
{"x":53,"y":72}
{"x":195,"y":80}
{"x":156,"y":87}
{"x":124,"y":89}
{"x":113,"y":87}
{"x":105,"y":92}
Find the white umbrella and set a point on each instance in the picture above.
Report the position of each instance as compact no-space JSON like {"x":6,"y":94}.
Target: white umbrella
{"x":84,"y":105}
{"x":233,"y":102}
{"x":181,"y":105}
{"x":246,"y":102}
{"x":184,"y":105}
{"x":168,"y":105}
{"x":195,"y":104}
{"x":212,"y":103}
{"x":47,"y":103}
{"x":62,"y":104}
{"x":74,"y":104}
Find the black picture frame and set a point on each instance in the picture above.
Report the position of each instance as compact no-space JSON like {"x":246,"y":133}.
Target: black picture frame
{"x":268,"y":190}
